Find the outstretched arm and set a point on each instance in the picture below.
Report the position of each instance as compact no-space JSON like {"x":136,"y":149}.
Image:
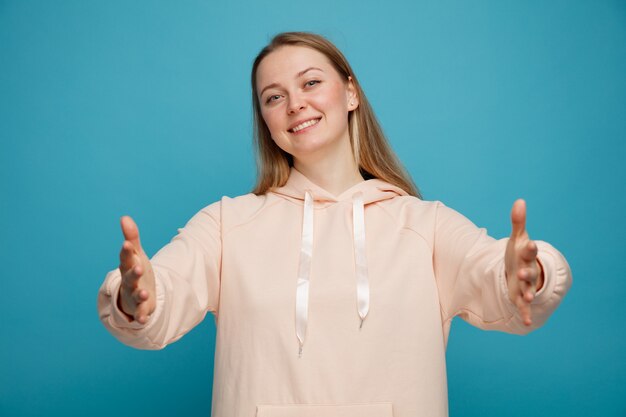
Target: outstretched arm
{"x":150,"y":303}
{"x":510,"y":284}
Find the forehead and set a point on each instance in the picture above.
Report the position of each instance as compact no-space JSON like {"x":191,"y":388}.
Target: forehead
{"x":286,"y":62}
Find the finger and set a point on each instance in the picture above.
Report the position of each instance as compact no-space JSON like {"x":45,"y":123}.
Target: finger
{"x":132,"y":275}
{"x":524,"y":309}
{"x":141,"y":318}
{"x":529,"y":252}
{"x":529,"y":294}
{"x":127,"y":258}
{"x":527,"y":275}
{"x":527,"y":278}
{"x":141,"y":314}
{"x":133,"y":298}
{"x":131,"y":232}
{"x":518,"y":218}
{"x":140,"y":295}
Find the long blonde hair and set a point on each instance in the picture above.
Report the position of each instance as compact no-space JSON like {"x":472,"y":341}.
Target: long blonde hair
{"x":370,"y":148}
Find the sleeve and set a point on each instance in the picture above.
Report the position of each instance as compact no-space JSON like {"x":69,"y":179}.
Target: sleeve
{"x":187,"y":274}
{"x":470,"y":274}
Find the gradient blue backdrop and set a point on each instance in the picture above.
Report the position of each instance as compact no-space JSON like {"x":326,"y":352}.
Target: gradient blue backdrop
{"x":142,"y":107}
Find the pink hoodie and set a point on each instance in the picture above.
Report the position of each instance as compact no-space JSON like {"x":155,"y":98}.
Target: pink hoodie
{"x":330,"y":306}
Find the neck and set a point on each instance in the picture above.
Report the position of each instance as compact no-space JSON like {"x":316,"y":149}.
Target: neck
{"x":335,"y":173}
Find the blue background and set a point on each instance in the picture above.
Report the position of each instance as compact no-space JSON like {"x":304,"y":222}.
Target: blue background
{"x":143,"y":108}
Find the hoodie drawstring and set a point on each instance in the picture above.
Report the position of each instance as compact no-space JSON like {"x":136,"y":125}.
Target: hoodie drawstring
{"x":304,"y":271}
{"x":306,"y":254}
{"x":360,"y":259}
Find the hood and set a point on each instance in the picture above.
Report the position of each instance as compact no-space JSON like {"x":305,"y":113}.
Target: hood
{"x":299,"y":188}
{"x":372,"y":190}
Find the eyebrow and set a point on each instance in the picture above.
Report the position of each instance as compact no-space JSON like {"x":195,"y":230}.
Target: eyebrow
{"x":300,"y":74}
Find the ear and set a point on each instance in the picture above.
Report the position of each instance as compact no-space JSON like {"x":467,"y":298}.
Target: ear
{"x":352,"y":96}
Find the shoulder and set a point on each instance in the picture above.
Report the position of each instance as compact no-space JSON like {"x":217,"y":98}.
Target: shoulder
{"x":422,"y":216}
{"x":228,"y":212}
{"x":245,"y":205}
{"x":235,"y":211}
{"x":412,"y":206}
{"x":239,"y":204}
{"x":409,"y":209}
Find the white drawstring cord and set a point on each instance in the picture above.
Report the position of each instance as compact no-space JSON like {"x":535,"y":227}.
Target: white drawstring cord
{"x":360,"y":258}
{"x":304,"y":271}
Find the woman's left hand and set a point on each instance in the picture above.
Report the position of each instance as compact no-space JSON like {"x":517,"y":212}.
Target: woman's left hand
{"x":523,"y":272}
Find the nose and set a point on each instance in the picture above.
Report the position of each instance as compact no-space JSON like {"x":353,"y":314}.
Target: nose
{"x":296,"y":104}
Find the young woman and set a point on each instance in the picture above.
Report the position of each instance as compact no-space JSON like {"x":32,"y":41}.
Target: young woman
{"x":333,"y":284}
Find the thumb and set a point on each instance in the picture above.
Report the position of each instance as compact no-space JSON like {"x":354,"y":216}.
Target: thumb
{"x":518,"y":218}
{"x":131,"y":232}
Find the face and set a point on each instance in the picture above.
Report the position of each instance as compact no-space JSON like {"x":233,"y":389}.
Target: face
{"x":304,"y":101}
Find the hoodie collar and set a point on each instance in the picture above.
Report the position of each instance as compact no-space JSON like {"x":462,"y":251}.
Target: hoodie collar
{"x":372,"y":190}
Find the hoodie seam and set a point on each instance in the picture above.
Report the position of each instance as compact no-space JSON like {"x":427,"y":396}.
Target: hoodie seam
{"x":318,"y":205}
{"x":404,"y":226}
{"x":444,"y":314}
{"x":249,"y":219}
{"x":444,"y":311}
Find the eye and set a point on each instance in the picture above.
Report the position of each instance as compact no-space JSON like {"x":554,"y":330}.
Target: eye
{"x":272,"y":98}
{"x":312,"y":83}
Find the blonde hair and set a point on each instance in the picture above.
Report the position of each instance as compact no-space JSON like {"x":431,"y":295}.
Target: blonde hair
{"x":370,"y":148}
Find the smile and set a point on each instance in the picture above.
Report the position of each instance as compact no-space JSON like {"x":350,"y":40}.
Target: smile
{"x":304,"y":125}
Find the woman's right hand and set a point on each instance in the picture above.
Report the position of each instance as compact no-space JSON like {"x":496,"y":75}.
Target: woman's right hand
{"x":137,"y":296}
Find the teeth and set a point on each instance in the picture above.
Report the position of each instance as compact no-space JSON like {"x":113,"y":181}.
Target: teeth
{"x":305,"y":125}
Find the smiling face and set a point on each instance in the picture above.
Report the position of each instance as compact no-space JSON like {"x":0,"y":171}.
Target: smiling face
{"x":304,"y":101}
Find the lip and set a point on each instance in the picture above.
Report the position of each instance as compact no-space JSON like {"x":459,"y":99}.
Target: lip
{"x":302,"y":121}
